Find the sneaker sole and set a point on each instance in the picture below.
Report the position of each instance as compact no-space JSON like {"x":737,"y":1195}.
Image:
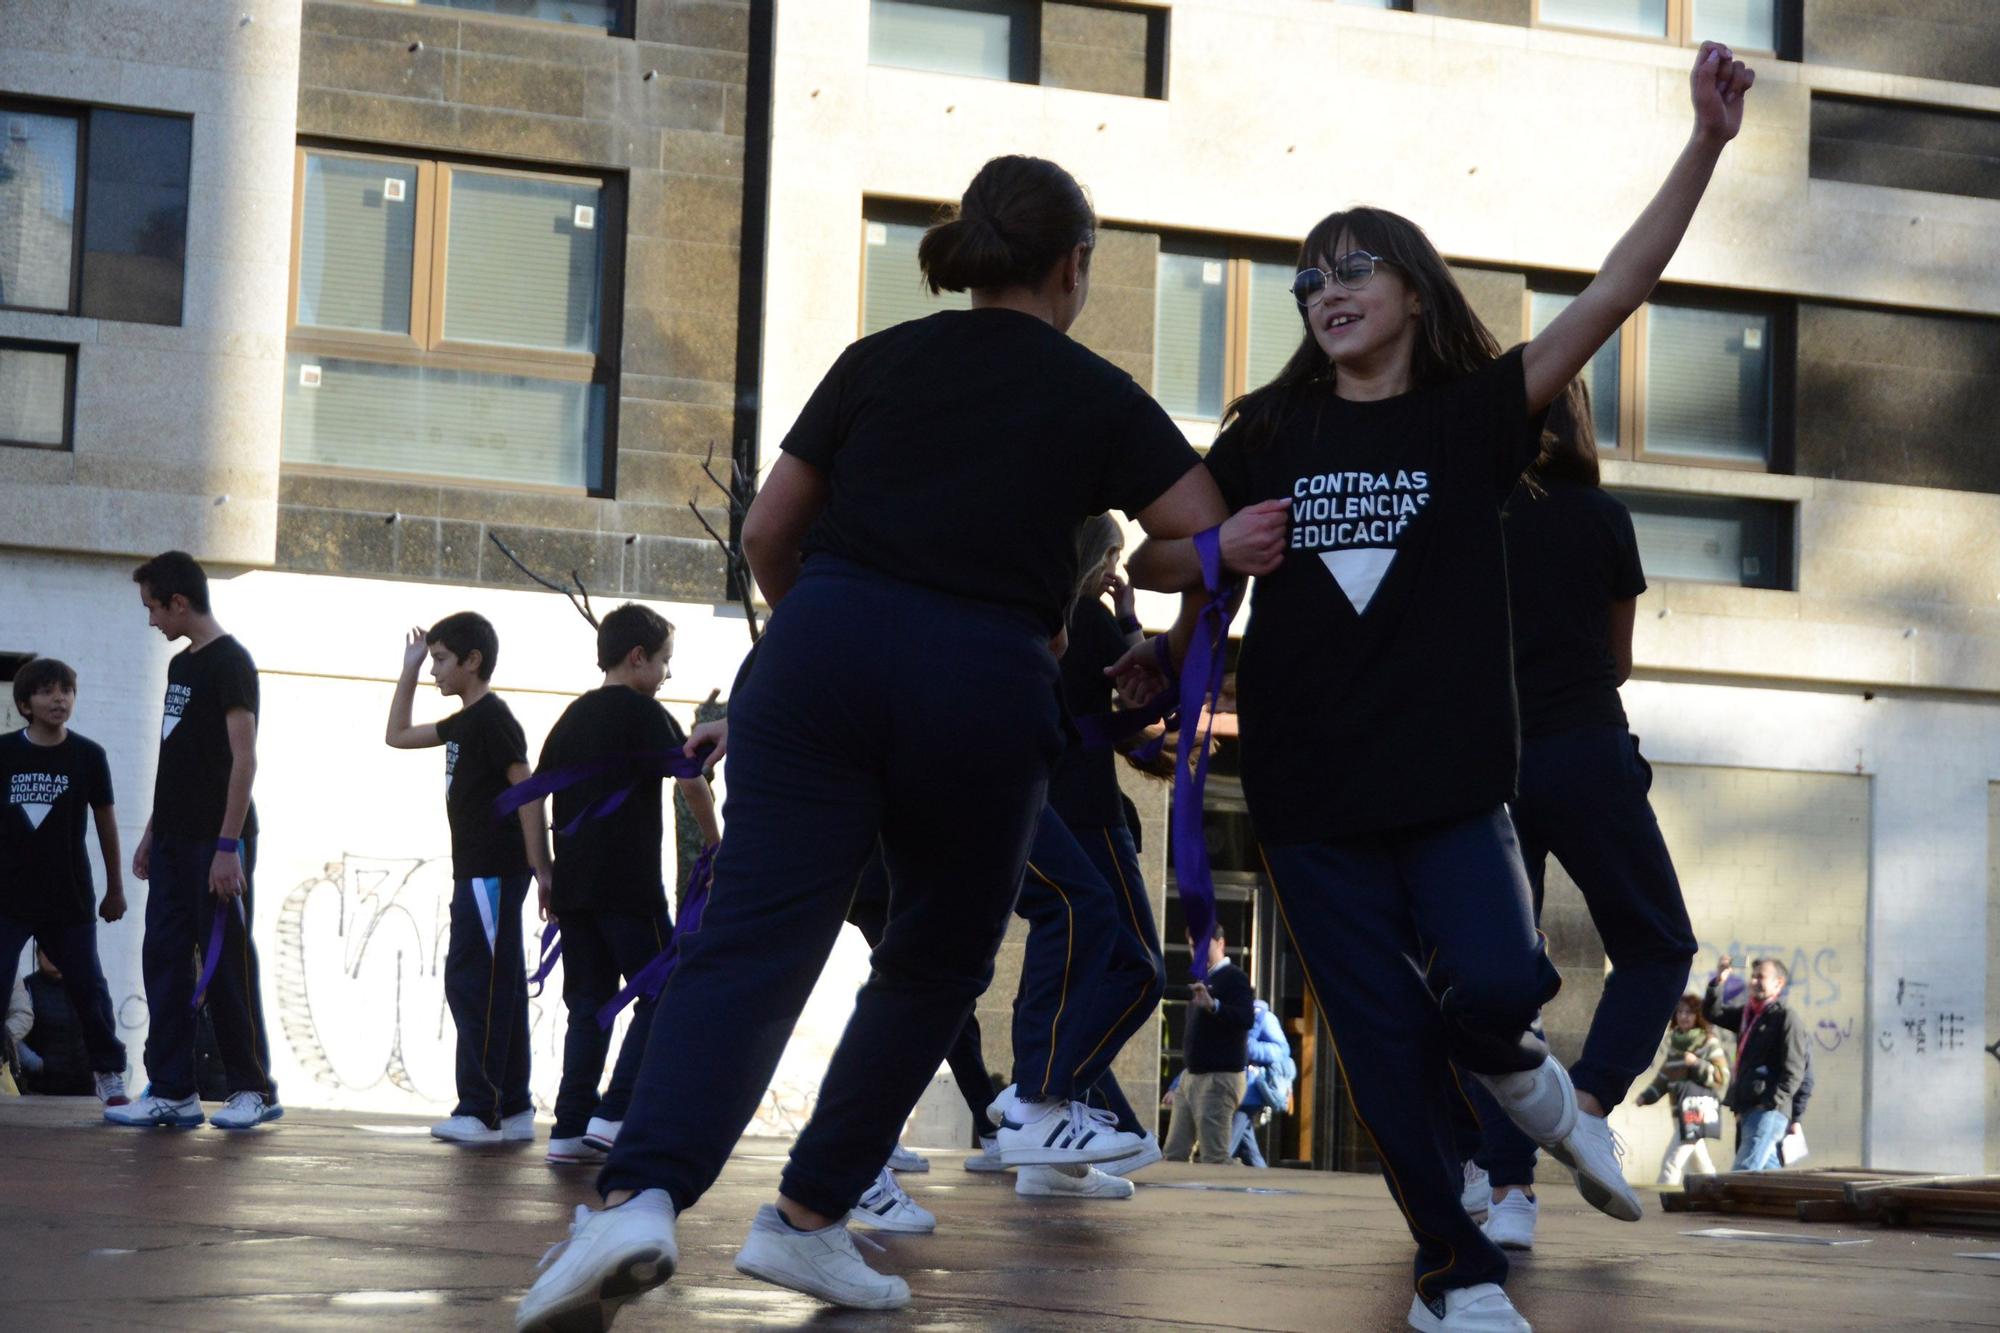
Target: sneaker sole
{"x":862,"y":1219}
{"x":457,"y":1142}
{"x":1622,"y":1205}
{"x":1033,"y":1156}
{"x":196,"y":1123}
{"x":587,"y":1311}
{"x":602,"y":1145}
{"x":276,"y":1113}
{"x":1138,"y":1161}
{"x":789,"y":1283}
{"x":1043,"y":1192}
{"x":922,"y":1165}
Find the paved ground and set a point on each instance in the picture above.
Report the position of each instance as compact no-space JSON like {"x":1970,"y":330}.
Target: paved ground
{"x":326,"y":1221}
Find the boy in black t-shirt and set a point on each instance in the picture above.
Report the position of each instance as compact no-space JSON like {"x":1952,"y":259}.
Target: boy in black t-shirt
{"x":608,"y":892}
{"x":485,"y":981}
{"x":53,"y":782}
{"x":199,"y":853}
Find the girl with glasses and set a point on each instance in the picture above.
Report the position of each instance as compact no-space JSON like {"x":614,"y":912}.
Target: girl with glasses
{"x":1376,"y":692}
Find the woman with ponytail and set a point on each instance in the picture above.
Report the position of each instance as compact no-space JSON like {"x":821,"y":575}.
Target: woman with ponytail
{"x":917,"y":540}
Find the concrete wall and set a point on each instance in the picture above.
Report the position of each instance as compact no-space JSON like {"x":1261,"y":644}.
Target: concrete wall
{"x":1940,"y":39}
{"x":176,"y":439}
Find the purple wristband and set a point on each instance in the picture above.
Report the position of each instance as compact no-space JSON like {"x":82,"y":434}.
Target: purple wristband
{"x":227,"y":845}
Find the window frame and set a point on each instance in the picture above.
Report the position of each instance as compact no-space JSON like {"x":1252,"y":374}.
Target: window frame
{"x":426,"y":348}
{"x":1784,"y":515}
{"x":1680,"y":29}
{"x":79,"y":113}
{"x":1631,"y":447}
{"x":1238,"y":255}
{"x":622,"y":26}
{"x":68,"y":353}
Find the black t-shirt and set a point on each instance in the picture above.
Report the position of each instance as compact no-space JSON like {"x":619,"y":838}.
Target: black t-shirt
{"x":1571,"y":553}
{"x":191,"y":791}
{"x":610,"y":864}
{"x":964,"y":451}
{"x":480,"y":742}
{"x":1084,"y":787}
{"x":49,"y":791}
{"x":1376,"y":684}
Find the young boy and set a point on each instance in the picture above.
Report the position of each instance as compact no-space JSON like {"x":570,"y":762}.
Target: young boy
{"x":54,"y":781}
{"x":485,"y":974}
{"x":199,"y":852}
{"x":608,"y":893}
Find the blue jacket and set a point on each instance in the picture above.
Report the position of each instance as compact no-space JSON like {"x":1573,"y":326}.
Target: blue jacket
{"x":1271,"y":1068}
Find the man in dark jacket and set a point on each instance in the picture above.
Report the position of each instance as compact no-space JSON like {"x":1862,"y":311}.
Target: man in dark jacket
{"x":1771,"y":1056}
{"x":1220,"y":1013}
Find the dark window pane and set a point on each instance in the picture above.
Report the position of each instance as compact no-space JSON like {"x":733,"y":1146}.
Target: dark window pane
{"x":34,"y":395}
{"x":37,"y":209}
{"x":1712,"y":539}
{"x":1708,"y":384}
{"x":893,"y":285}
{"x":985,"y":38}
{"x":135,"y":207}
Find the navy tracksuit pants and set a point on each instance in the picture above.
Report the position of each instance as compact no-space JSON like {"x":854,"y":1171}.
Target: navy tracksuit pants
{"x":1583,"y":798}
{"x":874,"y":709}
{"x":1092,"y":972}
{"x":180,"y":913}
{"x":600,"y":951}
{"x":486,"y":989}
{"x":1369,"y":916}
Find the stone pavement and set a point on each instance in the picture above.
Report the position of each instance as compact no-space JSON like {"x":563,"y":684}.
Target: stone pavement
{"x":350,"y":1221}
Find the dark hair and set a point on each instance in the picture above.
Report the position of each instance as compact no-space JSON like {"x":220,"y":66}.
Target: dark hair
{"x":1569,"y":440}
{"x":38,"y":673}
{"x":630,"y":626}
{"x":172,"y":572}
{"x":1692,"y":1003}
{"x":1017,"y":219}
{"x":1214,"y":932}
{"x":1096,"y":539}
{"x":1452,"y":341}
{"x":464,"y":633}
{"x":1784,"y":973}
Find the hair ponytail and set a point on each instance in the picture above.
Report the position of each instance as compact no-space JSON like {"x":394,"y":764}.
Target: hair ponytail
{"x":1018,"y":218}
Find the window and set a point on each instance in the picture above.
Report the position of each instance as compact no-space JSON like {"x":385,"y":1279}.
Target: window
{"x":1223,"y":323}
{"x":1099,"y":46}
{"x":608,"y":15}
{"x":37,"y":383}
{"x":1747,"y":25}
{"x":892,"y":288}
{"x":1684,"y":382}
{"x":93,"y":212}
{"x":1713,"y":539}
{"x":448,"y":320}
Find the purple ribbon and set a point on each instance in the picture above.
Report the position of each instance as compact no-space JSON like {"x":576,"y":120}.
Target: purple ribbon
{"x":641,"y":766}
{"x":551,"y":950}
{"x":647,"y":982}
{"x":1201,"y":691}
{"x":214,"y":958}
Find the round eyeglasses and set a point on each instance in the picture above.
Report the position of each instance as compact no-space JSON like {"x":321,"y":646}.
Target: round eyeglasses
{"x":1351,"y":271}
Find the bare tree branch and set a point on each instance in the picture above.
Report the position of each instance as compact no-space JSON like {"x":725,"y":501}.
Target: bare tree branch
{"x":738,"y":497}
{"x":582,"y":607}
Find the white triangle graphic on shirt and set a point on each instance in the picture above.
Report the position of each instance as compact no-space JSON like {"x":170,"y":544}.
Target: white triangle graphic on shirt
{"x":36,"y":813}
{"x":1359,"y":572}
{"x":167,"y":725}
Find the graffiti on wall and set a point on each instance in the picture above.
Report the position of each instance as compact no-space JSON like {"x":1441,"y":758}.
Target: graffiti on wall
{"x":1923,"y":1027}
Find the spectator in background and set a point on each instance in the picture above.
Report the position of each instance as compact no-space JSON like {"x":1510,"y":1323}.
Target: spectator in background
{"x":1771,"y":1059}
{"x":1697,"y":1065}
{"x":1267,"y":1084}
{"x":1215,"y":1050}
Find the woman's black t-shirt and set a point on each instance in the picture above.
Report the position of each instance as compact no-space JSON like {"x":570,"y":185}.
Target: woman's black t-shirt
{"x":964,"y":451}
{"x":1571,"y":553}
{"x":1083,"y":789}
{"x":480,"y":744}
{"x":1376,"y":683}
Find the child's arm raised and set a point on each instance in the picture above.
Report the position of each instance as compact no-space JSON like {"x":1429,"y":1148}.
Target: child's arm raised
{"x":1635,"y":264}
{"x":400,"y":734}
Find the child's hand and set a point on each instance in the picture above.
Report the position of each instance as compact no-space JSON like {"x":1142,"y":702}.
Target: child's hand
{"x":142,"y":855}
{"x":705,"y":732}
{"x":113,"y":906}
{"x":415,"y":650}
{"x":1719,"y":82}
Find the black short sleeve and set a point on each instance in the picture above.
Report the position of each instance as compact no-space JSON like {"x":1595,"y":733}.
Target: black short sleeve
{"x":816,"y":435}
{"x":670,"y":735}
{"x":1628,"y":577}
{"x":1230,"y":467}
{"x":98,"y":780}
{"x":236,"y":684}
{"x":1148,"y":457}
{"x":1499,"y":394}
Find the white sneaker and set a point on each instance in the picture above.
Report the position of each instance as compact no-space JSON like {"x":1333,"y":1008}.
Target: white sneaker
{"x":110,"y":1089}
{"x":518,"y":1127}
{"x":573,"y":1152}
{"x":1060,"y":1134}
{"x":886,"y":1208}
{"x":246,"y":1110}
{"x":987,"y":1159}
{"x":466,"y":1129}
{"x":1148,"y":1153}
{"x":1481,"y":1309}
{"x":163,"y":1112}
{"x":1539,"y":1101}
{"x":601,"y":1134}
{"x":611,"y":1256}
{"x":997,"y":1110}
{"x":821,"y":1263}
{"x":1511,"y":1222}
{"x":902,"y":1159}
{"x":1476,"y":1196}
{"x":1071,"y":1182}
{"x":1596,"y":1157}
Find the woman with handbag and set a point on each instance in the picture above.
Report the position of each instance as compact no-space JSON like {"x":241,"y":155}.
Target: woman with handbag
{"x":1694,"y":1074}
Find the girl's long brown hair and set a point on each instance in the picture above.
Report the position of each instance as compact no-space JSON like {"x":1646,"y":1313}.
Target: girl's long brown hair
{"x":1452,"y":342}
{"x":1693,"y":1002}
{"x":1569,"y":440}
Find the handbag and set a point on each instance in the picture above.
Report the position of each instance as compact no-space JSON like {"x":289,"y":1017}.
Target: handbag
{"x":1700,"y":1117}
